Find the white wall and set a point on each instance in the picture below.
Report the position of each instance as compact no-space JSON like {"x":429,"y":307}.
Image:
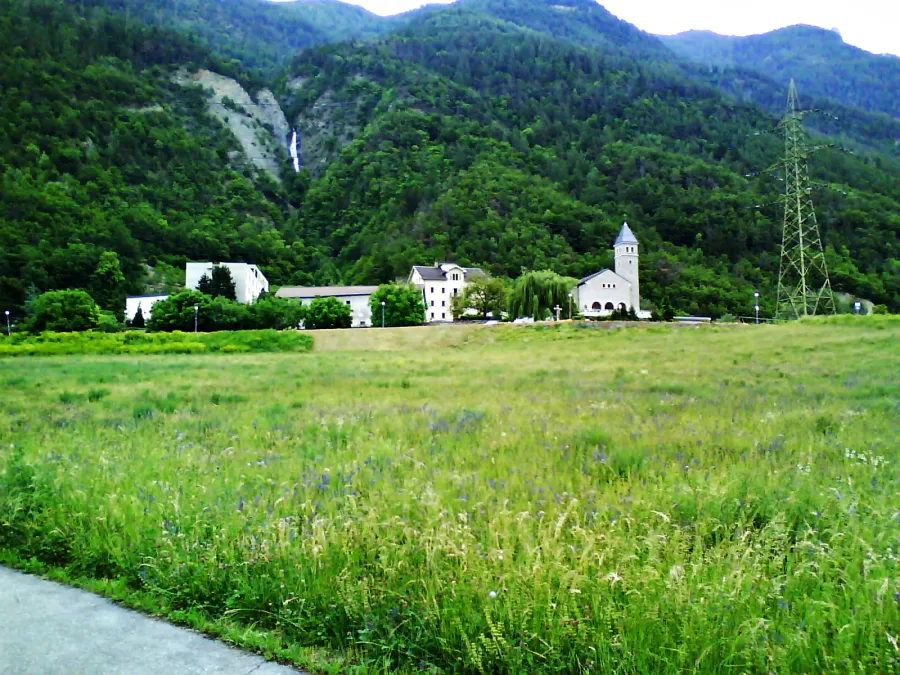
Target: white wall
{"x":144,"y":302}
{"x":607,"y":287}
{"x":627,"y":268}
{"x":249,"y":281}
{"x":359,"y":309}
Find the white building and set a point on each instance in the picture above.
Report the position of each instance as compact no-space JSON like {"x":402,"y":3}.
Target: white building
{"x":439,"y":284}
{"x":145,"y":302}
{"x":357,"y":297}
{"x":249,"y":281}
{"x":605,"y":291}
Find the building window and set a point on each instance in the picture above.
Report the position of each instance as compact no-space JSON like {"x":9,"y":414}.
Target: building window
{"x":443,"y":290}
{"x":432,"y":303}
{"x":432,"y":315}
{"x":347,"y":301}
{"x":432,"y":289}
{"x":596,"y":305}
{"x":455,"y":291}
{"x":609,"y":305}
{"x":443,"y":303}
{"x":443,"y":315}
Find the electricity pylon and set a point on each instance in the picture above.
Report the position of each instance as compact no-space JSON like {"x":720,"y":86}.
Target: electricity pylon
{"x":803,"y":285}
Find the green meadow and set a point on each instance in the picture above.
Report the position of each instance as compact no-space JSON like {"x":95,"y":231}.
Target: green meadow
{"x":532,"y":499}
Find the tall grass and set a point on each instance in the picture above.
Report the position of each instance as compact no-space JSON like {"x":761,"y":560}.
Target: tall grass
{"x":710,"y":500}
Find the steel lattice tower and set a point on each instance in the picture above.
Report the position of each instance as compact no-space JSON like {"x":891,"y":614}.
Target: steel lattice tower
{"x":803,"y":285}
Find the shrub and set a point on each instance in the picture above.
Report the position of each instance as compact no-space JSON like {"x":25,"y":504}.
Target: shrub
{"x":62,"y":311}
{"x":176,"y":342}
{"x":108,"y":323}
{"x":275,"y":313}
{"x":327,"y":313}
{"x":177,"y":312}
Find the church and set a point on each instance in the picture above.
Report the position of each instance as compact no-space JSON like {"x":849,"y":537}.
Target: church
{"x":603,"y":292}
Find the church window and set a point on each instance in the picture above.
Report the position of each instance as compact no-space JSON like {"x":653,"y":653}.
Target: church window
{"x":609,"y":305}
{"x":596,"y":305}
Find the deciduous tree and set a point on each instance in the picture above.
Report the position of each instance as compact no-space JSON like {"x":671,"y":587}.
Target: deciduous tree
{"x":403,"y":305}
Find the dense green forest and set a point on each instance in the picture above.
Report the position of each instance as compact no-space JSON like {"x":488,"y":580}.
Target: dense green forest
{"x":506,"y":134}
{"x":258,"y":34}
{"x":828,"y":67}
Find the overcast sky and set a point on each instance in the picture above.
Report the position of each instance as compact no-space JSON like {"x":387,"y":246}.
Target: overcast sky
{"x":873,"y":25}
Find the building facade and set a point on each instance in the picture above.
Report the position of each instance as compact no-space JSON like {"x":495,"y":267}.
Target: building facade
{"x":605,"y":291}
{"x":249,"y":281}
{"x":145,"y":302}
{"x":439,"y":284}
{"x":357,"y":297}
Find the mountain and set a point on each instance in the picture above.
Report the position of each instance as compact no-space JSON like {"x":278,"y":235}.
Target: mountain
{"x":102,"y":149}
{"x":818,"y":59}
{"x":258,"y":33}
{"x":507,"y":134}
{"x":470,"y":137}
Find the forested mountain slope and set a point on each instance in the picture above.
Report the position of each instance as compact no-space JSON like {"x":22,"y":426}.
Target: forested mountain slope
{"x":102,"y":152}
{"x":827,"y":66}
{"x":476,"y":139}
{"x":258,"y":33}
{"x":588,"y":24}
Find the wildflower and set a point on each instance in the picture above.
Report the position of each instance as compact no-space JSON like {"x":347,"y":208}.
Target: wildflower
{"x":492,"y":595}
{"x":613,"y":577}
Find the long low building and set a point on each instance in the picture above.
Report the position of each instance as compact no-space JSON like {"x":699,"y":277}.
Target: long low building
{"x":357,"y":297}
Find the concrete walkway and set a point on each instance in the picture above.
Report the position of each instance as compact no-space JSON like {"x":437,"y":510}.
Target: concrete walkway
{"x":48,"y":629}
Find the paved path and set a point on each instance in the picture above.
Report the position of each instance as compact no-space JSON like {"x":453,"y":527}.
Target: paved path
{"x":50,"y":629}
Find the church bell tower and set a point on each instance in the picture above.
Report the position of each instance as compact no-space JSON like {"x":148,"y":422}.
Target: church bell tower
{"x":626,"y":250}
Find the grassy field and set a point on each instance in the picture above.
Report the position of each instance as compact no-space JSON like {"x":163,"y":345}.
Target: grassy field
{"x":526,"y":500}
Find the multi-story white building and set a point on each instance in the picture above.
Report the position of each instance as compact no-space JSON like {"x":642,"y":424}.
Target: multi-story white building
{"x":357,"y":297}
{"x":605,"y":291}
{"x":249,"y":281}
{"x":439,"y":284}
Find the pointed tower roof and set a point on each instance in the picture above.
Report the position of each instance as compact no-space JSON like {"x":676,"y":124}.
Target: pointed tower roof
{"x":626,"y":236}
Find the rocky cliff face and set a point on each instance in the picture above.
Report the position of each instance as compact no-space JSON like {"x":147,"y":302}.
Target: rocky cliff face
{"x":259,"y":126}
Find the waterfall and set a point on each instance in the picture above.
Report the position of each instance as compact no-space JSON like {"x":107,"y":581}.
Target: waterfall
{"x":294,"y":154}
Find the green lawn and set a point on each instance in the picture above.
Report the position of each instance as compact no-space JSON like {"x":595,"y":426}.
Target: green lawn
{"x":532,"y":500}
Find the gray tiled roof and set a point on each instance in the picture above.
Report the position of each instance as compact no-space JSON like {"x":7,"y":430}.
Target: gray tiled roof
{"x":323,"y":291}
{"x":435,"y":273}
{"x":626,"y":236}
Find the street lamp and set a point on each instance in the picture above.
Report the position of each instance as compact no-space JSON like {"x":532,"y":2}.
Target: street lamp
{"x":382,"y":313}
{"x":7,"y":323}
{"x":196,"y":311}
{"x":570,"y":306}
{"x":756,"y":304}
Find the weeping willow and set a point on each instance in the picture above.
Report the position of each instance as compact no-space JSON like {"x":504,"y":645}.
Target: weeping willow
{"x":537,"y":293}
